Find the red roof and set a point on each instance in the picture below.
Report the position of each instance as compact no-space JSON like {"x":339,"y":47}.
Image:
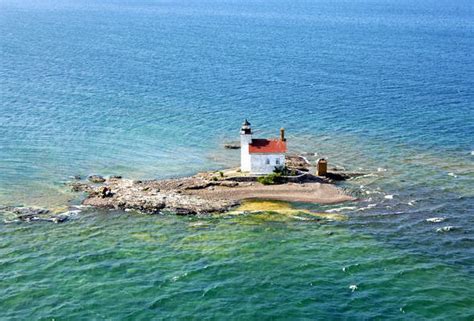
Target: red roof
{"x":273,"y":146}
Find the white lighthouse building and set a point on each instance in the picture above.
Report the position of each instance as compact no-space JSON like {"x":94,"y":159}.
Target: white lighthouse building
{"x":260,"y":156}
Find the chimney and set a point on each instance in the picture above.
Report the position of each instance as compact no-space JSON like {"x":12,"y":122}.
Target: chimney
{"x":282,"y":134}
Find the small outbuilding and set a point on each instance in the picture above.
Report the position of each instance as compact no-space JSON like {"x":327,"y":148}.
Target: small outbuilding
{"x":259,"y":155}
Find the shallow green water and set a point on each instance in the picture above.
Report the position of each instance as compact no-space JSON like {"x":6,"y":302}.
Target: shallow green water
{"x":112,"y":265}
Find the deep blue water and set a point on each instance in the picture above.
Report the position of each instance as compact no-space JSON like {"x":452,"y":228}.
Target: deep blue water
{"x":151,"y":89}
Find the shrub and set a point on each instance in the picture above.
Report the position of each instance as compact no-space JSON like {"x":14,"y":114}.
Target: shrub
{"x":270,"y":179}
{"x":284,"y":171}
{"x":221,"y":173}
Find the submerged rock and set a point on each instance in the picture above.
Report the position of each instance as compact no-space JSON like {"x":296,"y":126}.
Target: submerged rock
{"x":28,"y":211}
{"x":81,"y":187}
{"x":342,"y":176}
{"x":96,"y":179}
{"x":31,"y":214}
{"x":53,"y":219}
{"x":232,"y":146}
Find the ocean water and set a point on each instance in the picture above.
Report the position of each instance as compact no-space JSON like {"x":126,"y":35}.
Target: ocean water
{"x":152,"y":89}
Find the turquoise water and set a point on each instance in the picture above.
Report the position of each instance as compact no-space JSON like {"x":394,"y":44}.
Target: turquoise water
{"x":152,"y":89}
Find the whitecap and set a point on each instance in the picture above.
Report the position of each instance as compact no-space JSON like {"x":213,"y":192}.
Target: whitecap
{"x":389,"y":197}
{"x":453,"y":175}
{"x":198,"y":224}
{"x":80,"y":206}
{"x":300,"y":218}
{"x":177,"y":277}
{"x":365,"y":176}
{"x":411,"y":203}
{"x":372,"y":192}
{"x":353,"y":287}
{"x":380,"y":169}
{"x":367,"y":207}
{"x":445,"y":229}
{"x":472,"y":153}
{"x":435,"y":219}
{"x":72,"y":213}
{"x":341,"y":209}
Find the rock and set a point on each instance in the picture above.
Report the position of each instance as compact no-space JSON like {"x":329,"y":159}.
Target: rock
{"x":232,"y":146}
{"x":29,"y":211}
{"x":30,"y":214}
{"x":342,"y":176}
{"x":81,"y":187}
{"x":228,"y":183}
{"x":297,"y":162}
{"x":52,"y":219}
{"x":152,"y":197}
{"x":115,"y":177}
{"x":187,"y":195}
{"x":96,"y":179}
{"x":77,"y":177}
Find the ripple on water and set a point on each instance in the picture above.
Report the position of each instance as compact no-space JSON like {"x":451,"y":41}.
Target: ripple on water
{"x":85,"y":102}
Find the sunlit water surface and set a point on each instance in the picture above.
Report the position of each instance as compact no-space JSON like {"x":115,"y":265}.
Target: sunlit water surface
{"x":152,"y":89}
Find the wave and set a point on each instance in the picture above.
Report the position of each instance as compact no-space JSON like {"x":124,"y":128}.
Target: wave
{"x":339,"y":209}
{"x":445,"y":229}
{"x":369,"y":206}
{"x":436,"y":219}
{"x":365,"y":176}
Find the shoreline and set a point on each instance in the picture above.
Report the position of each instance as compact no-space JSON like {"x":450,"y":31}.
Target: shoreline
{"x":209,"y":192}
{"x":204,"y":192}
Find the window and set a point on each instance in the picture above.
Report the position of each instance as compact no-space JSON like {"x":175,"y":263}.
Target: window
{"x":277,"y":162}
{"x":267,"y":161}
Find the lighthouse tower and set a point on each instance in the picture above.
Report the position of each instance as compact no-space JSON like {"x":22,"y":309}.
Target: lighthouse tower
{"x":245,"y":141}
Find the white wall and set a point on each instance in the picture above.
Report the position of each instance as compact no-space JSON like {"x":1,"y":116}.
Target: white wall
{"x":258,"y":163}
{"x":245,"y":140}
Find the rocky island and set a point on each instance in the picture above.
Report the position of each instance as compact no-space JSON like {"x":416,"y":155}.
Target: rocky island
{"x":203,"y":193}
{"x":210,"y":192}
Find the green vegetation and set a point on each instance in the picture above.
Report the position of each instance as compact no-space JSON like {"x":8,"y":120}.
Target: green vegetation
{"x":284,"y":171}
{"x":270,"y":179}
{"x":277,"y":176}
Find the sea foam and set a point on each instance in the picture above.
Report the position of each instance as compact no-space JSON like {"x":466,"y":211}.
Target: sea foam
{"x":435,"y":219}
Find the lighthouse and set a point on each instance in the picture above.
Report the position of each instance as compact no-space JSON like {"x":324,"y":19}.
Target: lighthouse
{"x":245,"y":141}
{"x":261,"y":156}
